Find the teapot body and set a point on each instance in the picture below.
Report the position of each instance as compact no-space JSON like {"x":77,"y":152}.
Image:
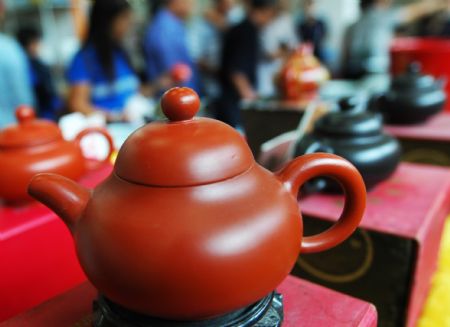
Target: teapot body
{"x":410,"y":107}
{"x":189,"y":226}
{"x":35,"y":146}
{"x":18,"y":166}
{"x":413,"y":97}
{"x":189,"y":252}
{"x":375,"y":156}
{"x":301,"y":76}
{"x":356,"y":134}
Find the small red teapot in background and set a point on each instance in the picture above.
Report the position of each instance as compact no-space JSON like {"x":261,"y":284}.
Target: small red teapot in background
{"x":34,"y":146}
{"x":189,"y":226}
{"x":181,"y":73}
{"x":302,"y":75}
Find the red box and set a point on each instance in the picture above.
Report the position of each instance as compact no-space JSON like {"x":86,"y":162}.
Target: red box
{"x":425,"y":143}
{"x":37,"y":254}
{"x":391,"y":258}
{"x":305,"y":304}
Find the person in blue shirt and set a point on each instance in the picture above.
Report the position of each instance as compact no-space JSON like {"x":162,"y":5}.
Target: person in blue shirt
{"x":165,"y":42}
{"x":101,"y":76}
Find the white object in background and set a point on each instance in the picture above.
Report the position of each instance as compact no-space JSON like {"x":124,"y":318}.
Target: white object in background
{"x":94,"y":146}
{"x":138,"y":107}
{"x":121,"y":131}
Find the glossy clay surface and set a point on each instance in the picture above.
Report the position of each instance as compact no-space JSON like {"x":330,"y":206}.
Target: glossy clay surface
{"x":301,"y":76}
{"x":192,"y":252}
{"x":35,"y":146}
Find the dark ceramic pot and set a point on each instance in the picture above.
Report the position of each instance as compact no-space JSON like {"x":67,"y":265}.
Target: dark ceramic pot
{"x":413,"y":97}
{"x":357,"y":135}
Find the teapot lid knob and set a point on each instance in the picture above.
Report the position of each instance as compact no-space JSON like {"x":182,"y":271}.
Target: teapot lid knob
{"x":25,"y":114}
{"x":180,"y":103}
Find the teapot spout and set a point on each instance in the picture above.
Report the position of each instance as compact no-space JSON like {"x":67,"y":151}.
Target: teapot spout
{"x":62,"y":195}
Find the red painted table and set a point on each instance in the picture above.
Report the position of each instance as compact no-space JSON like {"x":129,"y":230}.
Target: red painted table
{"x":390,"y":260}
{"x":305,"y":305}
{"x":37,"y":254}
{"x":425,"y":143}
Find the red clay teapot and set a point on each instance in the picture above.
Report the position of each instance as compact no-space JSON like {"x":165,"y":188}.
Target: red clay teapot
{"x":302,"y":75}
{"x":34,"y":146}
{"x":188,"y":226}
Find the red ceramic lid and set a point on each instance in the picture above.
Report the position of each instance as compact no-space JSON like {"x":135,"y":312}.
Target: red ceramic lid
{"x":183,"y":151}
{"x":29,"y":131}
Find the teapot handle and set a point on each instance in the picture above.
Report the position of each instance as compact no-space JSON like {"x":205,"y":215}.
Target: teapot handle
{"x":316,"y":185}
{"x":308,"y":166}
{"x":105,"y":133}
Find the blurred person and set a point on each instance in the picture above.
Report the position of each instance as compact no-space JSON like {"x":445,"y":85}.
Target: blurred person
{"x":15,"y":84}
{"x":47,"y":100}
{"x":278,"y":40}
{"x":436,"y":25}
{"x":155,"y":6}
{"x":101,"y":76}
{"x":166,"y":43}
{"x":367,"y":43}
{"x":312,"y":29}
{"x":224,"y":13}
{"x":240,"y":57}
{"x":206,"y":37}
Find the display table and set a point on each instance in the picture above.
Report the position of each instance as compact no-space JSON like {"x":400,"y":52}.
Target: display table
{"x":425,"y":143}
{"x":391,"y":258}
{"x":37,"y":254}
{"x":305,"y":305}
{"x":265,"y":119}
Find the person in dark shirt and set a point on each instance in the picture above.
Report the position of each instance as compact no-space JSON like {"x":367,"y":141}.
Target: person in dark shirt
{"x":47,"y":100}
{"x":312,"y":29}
{"x":437,"y":25}
{"x":367,"y":41}
{"x":240,"y":56}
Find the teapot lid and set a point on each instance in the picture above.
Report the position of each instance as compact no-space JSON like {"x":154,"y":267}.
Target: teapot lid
{"x":183,"y":150}
{"x":352,"y":119}
{"x":413,"y":78}
{"x":29,"y":131}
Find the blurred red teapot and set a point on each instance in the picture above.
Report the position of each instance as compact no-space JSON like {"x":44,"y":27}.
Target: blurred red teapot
{"x":34,"y":146}
{"x":189,"y":226}
{"x":302,"y":75}
{"x":181,"y":73}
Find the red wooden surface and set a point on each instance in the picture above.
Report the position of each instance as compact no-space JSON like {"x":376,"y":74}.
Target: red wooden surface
{"x":310,"y":305}
{"x":437,"y":128}
{"x":306,"y":305}
{"x":37,"y":254}
{"x":412,"y":204}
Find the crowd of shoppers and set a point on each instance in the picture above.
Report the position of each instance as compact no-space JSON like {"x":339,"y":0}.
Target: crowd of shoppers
{"x":229,"y":53}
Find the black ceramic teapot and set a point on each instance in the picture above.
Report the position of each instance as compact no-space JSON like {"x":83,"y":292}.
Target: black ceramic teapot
{"x":412,"y":98}
{"x":357,"y":135}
